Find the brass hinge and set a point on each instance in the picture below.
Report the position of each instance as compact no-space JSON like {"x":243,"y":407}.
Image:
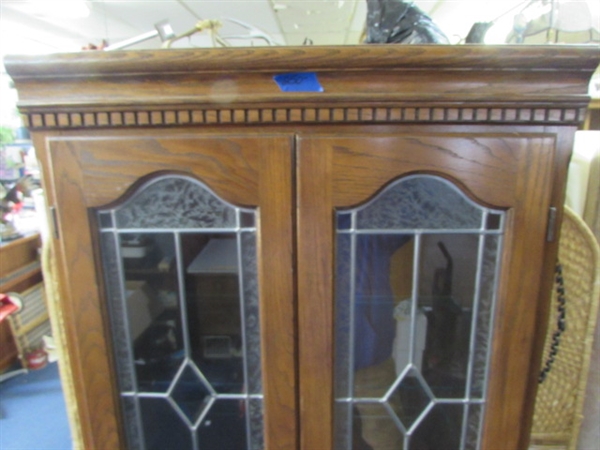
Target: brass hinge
{"x":551,"y":231}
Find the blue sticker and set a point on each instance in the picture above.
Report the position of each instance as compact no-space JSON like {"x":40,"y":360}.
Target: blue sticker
{"x":298,"y":82}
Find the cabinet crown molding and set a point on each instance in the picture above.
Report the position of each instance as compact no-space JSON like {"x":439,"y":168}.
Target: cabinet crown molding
{"x":376,"y":83}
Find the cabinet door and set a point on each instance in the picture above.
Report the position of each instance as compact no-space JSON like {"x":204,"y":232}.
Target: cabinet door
{"x":419,"y":260}
{"x":180,"y":324}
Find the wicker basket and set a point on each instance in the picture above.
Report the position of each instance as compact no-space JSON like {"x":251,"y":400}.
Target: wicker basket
{"x":560,"y":398}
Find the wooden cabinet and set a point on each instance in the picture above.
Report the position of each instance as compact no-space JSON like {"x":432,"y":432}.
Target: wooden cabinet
{"x":396,"y":233}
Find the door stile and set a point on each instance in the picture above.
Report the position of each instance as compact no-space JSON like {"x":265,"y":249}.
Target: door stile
{"x":276,"y":286}
{"x":315,"y":295}
{"x":519,"y":297}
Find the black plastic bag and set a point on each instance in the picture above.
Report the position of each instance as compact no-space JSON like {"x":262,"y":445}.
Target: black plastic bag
{"x":396,"y":22}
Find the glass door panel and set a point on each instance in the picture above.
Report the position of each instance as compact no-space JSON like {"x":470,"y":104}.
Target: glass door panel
{"x":180,"y":270}
{"x":416,"y":270}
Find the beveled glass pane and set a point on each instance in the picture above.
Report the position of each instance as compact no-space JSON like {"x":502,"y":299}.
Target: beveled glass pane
{"x":191,"y":393}
{"x":420,"y":202}
{"x":410,"y":398}
{"x":163,"y":427}
{"x":175,"y":202}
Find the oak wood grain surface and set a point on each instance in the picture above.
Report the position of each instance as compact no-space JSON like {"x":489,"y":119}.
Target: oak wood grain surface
{"x":496,"y":121}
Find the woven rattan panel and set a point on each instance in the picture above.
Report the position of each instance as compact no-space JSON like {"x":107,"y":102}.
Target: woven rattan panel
{"x":560,"y":397}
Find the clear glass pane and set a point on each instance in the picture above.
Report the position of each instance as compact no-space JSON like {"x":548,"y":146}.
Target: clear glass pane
{"x":374,"y":324}
{"x":374,"y":427}
{"x":247,"y":220}
{"x":447,"y":273}
{"x":106,"y":220}
{"x":415,"y":283}
{"x":182,"y":292}
{"x":440,"y":429}
{"x":213,"y":308}
{"x":153,"y":309}
{"x":224,"y":426}
{"x":163,"y":427}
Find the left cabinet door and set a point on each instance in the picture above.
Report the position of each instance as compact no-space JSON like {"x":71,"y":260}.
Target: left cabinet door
{"x":175,"y":256}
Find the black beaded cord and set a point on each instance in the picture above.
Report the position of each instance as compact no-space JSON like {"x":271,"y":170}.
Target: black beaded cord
{"x":561,"y":324}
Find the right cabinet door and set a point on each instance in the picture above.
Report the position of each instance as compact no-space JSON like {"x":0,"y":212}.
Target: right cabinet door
{"x":419,"y":261}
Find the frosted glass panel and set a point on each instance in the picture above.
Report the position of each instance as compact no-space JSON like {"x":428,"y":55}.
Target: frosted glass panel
{"x":420,"y":202}
{"x":416,"y":274}
{"x":182,"y":292}
{"x":175,"y":202}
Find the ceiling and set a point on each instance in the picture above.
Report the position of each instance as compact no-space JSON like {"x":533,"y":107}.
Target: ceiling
{"x":44,"y":26}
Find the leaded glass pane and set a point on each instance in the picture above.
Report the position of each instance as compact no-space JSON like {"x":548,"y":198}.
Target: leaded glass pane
{"x":181,"y":280}
{"x":174,"y":202}
{"x":163,"y":426}
{"x":416,"y":274}
{"x":420,"y":201}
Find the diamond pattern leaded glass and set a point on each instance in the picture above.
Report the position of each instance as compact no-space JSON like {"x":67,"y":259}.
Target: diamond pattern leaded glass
{"x":413,"y":328}
{"x":183,"y":385}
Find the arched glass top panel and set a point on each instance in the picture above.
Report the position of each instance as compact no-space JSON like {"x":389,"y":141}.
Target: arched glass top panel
{"x":175,"y":202}
{"x":420,"y":202}
{"x":416,"y":274}
{"x":180,"y":269}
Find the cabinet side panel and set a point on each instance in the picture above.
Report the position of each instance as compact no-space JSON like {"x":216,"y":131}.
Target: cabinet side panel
{"x":82,"y":307}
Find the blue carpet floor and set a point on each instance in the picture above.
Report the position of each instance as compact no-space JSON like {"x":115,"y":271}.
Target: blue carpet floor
{"x":32,"y":412}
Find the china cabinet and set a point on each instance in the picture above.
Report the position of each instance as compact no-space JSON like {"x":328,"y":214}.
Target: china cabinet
{"x":315,"y":248}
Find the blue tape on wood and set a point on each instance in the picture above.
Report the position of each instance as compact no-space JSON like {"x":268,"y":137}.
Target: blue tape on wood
{"x":298,"y":82}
